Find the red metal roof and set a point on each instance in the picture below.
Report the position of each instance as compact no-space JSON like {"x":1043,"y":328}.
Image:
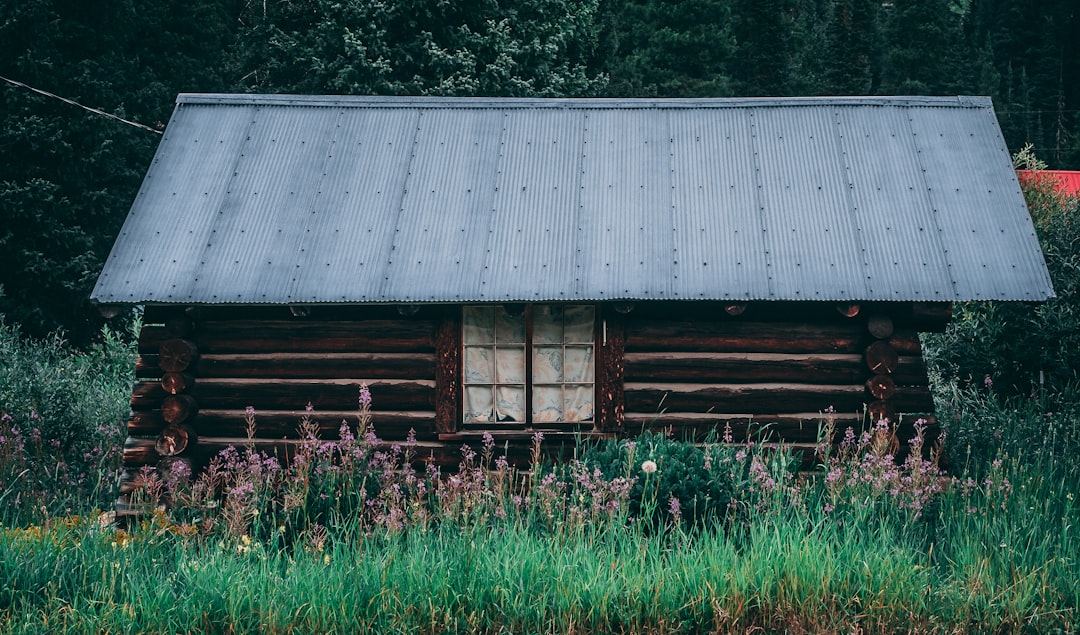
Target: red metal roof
{"x":1068,"y":181}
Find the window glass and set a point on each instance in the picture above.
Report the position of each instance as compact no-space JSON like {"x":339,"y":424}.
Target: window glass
{"x":496,"y":378}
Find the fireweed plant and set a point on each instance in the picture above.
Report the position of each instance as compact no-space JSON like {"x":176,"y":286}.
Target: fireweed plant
{"x":359,"y":484}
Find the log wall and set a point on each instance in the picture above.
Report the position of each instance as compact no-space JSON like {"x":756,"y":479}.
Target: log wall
{"x":199,"y":369}
{"x":771,"y":370}
{"x":766,"y":369}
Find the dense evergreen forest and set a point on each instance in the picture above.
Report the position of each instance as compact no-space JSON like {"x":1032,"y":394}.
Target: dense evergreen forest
{"x":68,"y":176}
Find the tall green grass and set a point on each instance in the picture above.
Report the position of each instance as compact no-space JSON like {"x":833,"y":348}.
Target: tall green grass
{"x":998,"y":556}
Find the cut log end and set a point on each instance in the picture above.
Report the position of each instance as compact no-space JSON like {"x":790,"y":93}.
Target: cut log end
{"x":177,"y":383}
{"x":177,"y":355}
{"x":848,"y":309}
{"x":881,"y":386}
{"x":880,"y":326}
{"x":176,"y":409}
{"x":174,"y":439}
{"x":882,"y":358}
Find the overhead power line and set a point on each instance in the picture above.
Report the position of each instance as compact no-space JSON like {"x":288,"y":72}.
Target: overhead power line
{"x":75,"y":103}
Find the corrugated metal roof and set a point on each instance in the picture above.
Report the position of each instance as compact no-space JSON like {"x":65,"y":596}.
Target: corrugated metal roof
{"x":290,"y":199}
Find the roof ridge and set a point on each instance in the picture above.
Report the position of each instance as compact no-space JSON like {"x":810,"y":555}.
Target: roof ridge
{"x":389,"y":101}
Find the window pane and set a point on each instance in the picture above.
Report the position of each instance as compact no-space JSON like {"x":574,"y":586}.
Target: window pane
{"x":547,"y":404}
{"x":479,"y":325}
{"x":547,"y":364}
{"x":510,"y":366}
{"x":478,"y":406}
{"x":479,"y":365}
{"x":578,"y":364}
{"x":547,"y":324}
{"x":578,"y":403}
{"x":579,"y":324}
{"x":509,"y":329}
{"x":511,"y":403}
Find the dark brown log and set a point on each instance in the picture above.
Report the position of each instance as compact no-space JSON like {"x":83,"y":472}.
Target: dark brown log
{"x":128,"y":481}
{"x":179,"y":326}
{"x":745,"y":398}
{"x":881,"y":357}
{"x":610,"y":373}
{"x":176,"y":383}
{"x":147,"y":395}
{"x":906,"y":342}
{"x":277,"y":424}
{"x":139,"y":452}
{"x":794,"y":427}
{"x":880,"y":326}
{"x":317,"y":365}
{"x":838,"y":368}
{"x":283,"y":394}
{"x":177,"y":355}
{"x":151,"y":338}
{"x":146,"y":366}
{"x":735,"y":309}
{"x":330,"y":394}
{"x":157,"y":314}
{"x":881,"y":386}
{"x":913,"y":400}
{"x":940,"y":312}
{"x":178,"y":408}
{"x":174,"y":439}
{"x":145,"y":423}
{"x":371,"y":336}
{"x":848,"y":309}
{"x":744,"y":337}
{"x":448,"y":373}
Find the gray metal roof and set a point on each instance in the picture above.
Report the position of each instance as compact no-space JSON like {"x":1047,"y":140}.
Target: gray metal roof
{"x":292,"y":199}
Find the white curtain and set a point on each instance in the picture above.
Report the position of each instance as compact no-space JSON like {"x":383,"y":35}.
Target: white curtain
{"x":563,"y":365}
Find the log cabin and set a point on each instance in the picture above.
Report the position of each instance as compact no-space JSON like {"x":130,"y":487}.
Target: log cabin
{"x":578,"y":267}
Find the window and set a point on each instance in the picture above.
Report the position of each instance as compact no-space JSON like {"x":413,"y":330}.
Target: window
{"x":534,"y":367}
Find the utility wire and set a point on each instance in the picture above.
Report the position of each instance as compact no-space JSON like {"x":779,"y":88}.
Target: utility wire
{"x":75,"y":103}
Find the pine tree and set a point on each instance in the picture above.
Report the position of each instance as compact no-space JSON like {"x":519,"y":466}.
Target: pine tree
{"x":851,"y":56}
{"x":765,"y":54}
{"x":673,"y":49}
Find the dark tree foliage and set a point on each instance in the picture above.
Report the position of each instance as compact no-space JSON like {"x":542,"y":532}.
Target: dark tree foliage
{"x":921,"y":38}
{"x":679,"y":48}
{"x":418,"y":47}
{"x":67,"y":176}
{"x":851,"y":57}
{"x":765,"y":53}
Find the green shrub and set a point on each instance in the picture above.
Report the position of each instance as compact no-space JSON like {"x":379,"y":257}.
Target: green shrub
{"x":682,"y":487}
{"x":1018,"y":348}
{"x":62,"y":423}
